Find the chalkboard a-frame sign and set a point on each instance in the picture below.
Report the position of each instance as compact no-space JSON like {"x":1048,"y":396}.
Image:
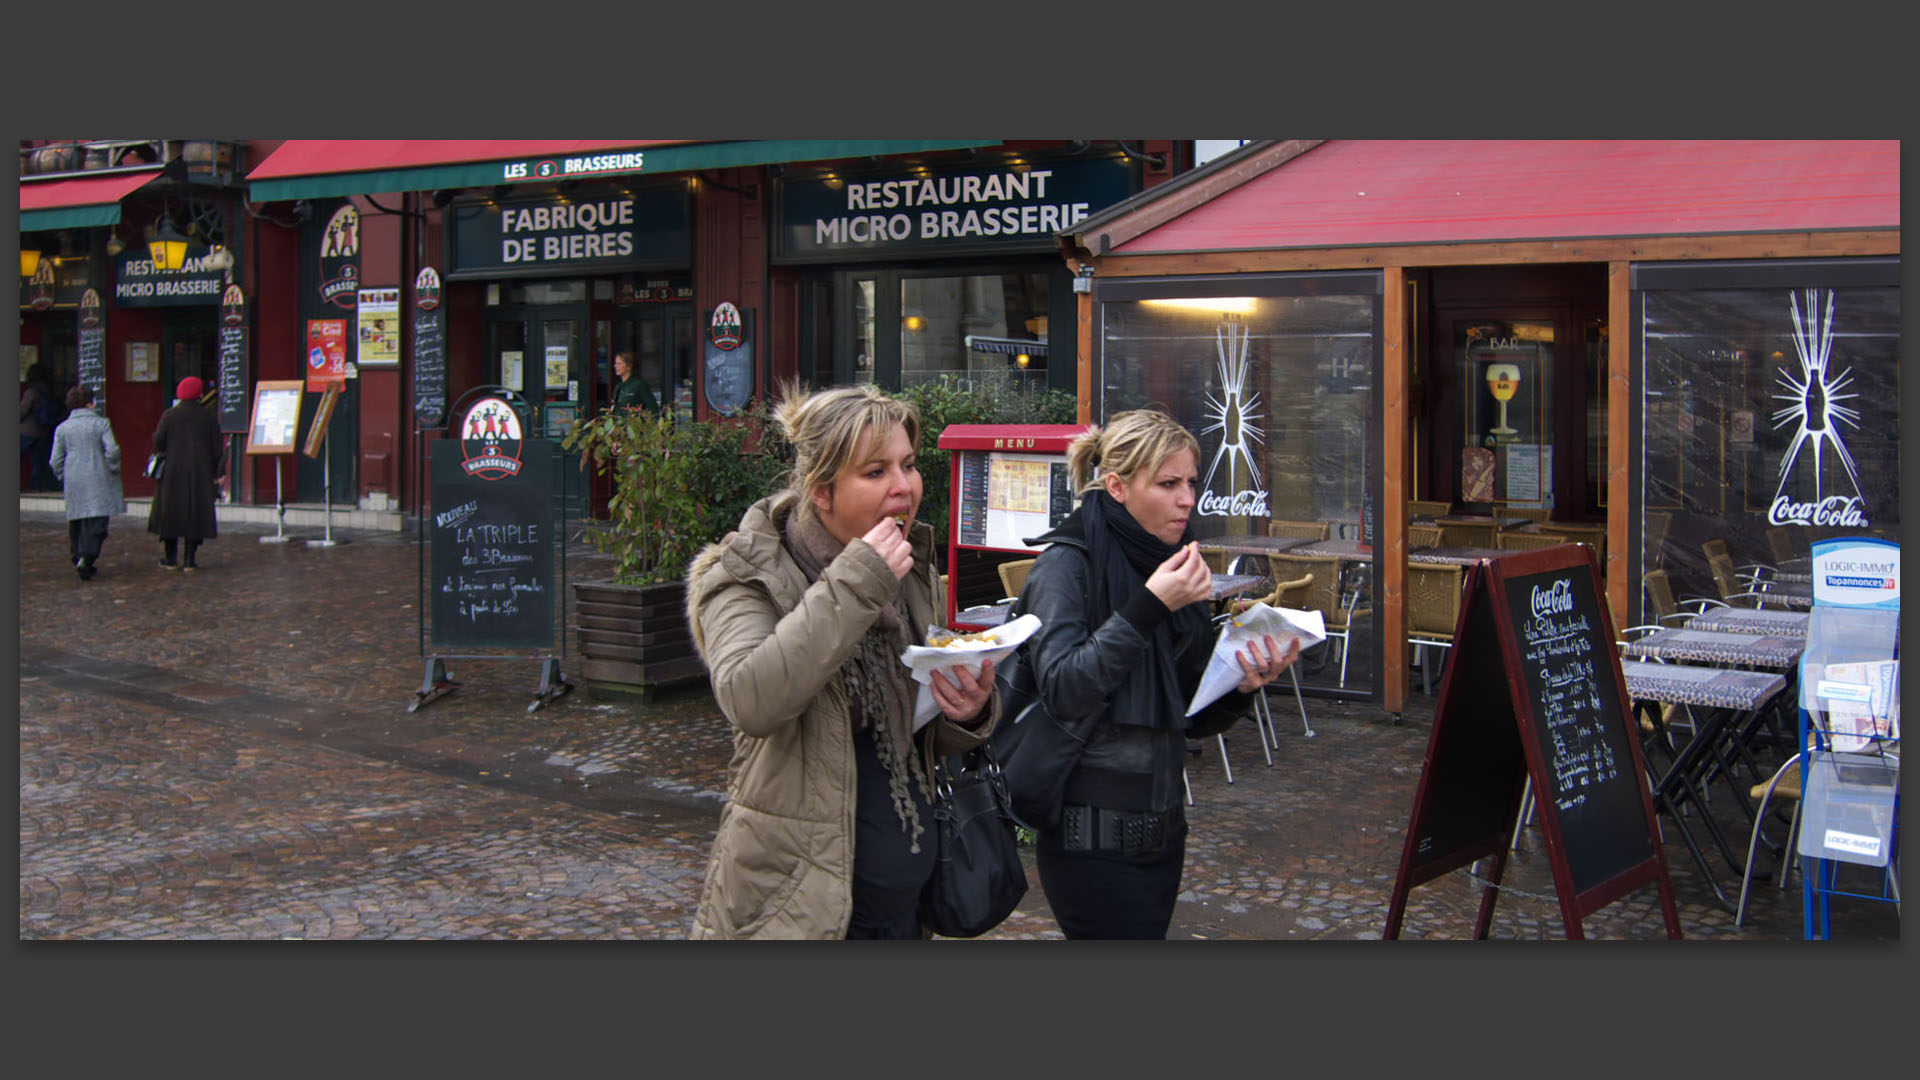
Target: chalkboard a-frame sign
{"x":1534,"y":690}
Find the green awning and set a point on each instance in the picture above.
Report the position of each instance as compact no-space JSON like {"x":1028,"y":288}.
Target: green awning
{"x":662,"y":159}
{"x":70,"y":217}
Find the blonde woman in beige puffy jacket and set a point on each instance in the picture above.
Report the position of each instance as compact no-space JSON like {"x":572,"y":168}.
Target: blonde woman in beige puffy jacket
{"x":801,"y":616}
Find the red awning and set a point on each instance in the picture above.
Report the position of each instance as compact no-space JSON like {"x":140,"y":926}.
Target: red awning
{"x":1360,"y":192}
{"x":37,"y":197}
{"x":312,"y":157}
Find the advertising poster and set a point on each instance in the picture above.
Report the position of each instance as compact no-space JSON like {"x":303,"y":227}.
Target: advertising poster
{"x":326,"y":354}
{"x":556,"y":366}
{"x":379,"y":318}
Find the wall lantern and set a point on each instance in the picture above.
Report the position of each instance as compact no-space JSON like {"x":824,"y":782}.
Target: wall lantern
{"x":167,"y":247}
{"x":29,"y":260}
{"x":914,"y":323}
{"x":1023,"y":360}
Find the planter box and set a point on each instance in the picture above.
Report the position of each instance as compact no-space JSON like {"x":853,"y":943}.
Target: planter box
{"x":634,"y":639}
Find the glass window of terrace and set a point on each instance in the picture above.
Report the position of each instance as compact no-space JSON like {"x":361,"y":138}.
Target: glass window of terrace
{"x":976,"y":327}
{"x":1278,"y":390}
{"x":1771,"y":419}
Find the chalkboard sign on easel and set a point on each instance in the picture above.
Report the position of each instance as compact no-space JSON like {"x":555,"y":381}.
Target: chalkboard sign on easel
{"x":493,"y":553}
{"x":1533,"y":690}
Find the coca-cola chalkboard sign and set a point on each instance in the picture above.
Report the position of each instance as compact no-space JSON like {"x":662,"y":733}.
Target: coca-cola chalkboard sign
{"x":1533,"y":692}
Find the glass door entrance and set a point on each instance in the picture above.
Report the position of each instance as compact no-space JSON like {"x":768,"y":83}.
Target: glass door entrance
{"x":540,"y":351}
{"x":662,"y":340}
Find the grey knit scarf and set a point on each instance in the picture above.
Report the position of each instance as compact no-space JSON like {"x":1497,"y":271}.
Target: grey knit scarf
{"x":878,"y":685}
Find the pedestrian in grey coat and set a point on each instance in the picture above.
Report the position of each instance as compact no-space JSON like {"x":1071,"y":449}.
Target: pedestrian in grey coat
{"x":86,"y":458}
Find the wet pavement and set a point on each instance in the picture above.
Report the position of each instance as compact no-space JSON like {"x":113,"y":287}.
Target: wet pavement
{"x":227,"y":754}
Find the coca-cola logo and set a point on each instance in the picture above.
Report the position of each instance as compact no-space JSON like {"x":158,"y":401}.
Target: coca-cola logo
{"x":1845,"y":511}
{"x":1248,"y":503}
{"x":1553,"y":601}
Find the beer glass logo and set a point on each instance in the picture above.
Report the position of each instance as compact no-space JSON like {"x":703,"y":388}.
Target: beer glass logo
{"x":1234,"y":413}
{"x":490,"y":440}
{"x":1503,"y":380}
{"x":1814,"y":412}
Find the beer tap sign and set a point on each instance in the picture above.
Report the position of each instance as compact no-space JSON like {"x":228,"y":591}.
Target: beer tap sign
{"x":1504,"y":381}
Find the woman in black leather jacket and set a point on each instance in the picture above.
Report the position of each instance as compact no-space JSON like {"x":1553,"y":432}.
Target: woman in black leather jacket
{"x":1121,"y":593}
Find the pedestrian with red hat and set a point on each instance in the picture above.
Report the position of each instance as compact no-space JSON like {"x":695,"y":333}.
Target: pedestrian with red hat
{"x":183,"y":507}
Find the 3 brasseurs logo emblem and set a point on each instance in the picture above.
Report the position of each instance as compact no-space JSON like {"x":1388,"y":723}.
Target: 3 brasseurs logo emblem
{"x":490,"y":440}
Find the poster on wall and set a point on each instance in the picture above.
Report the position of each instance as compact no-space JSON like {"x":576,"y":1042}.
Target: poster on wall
{"x":511,"y":364}
{"x":556,"y":367}
{"x":378,"y":312}
{"x":326,"y":354}
{"x":1525,"y":466}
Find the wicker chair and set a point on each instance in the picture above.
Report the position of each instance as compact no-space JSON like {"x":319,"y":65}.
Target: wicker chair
{"x":1013,"y":576}
{"x":1654,"y":537}
{"x":1423,"y":536}
{"x":1531,"y":513}
{"x":1452,"y":535}
{"x":1433,"y":608}
{"x":1594,"y":536}
{"x":1780,"y":544}
{"x":1431,"y":508}
{"x":1325,"y":596}
{"x":1515,"y":540}
{"x":1295,"y":595}
{"x":1736,"y":591}
{"x":1301,"y":530}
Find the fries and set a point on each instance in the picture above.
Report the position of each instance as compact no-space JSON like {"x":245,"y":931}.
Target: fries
{"x":947,"y":642}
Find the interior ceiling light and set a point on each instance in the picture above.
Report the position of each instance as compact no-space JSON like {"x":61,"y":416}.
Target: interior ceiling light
{"x":1235,"y":305}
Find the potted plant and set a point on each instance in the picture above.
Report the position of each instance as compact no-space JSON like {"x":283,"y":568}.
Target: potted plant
{"x":677,"y":487}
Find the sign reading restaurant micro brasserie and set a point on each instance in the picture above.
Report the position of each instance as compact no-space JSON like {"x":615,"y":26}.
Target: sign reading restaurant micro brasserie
{"x":946,"y":208}
{"x":587,"y":229}
{"x":137,"y":283}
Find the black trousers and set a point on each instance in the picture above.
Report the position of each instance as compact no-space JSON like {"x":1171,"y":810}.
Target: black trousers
{"x":888,"y":875}
{"x":1107,"y":895}
{"x":85,"y":537}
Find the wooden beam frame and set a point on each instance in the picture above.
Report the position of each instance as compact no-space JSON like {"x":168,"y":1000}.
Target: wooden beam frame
{"x":1390,"y":518}
{"x":1621,"y":590}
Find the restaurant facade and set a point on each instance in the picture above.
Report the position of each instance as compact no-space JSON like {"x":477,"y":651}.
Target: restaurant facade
{"x":415,"y":271}
{"x":1663,"y":343}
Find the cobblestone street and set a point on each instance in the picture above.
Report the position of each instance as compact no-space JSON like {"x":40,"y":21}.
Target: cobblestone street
{"x":227,"y":754}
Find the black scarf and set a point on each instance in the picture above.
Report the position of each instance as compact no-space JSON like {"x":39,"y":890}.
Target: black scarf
{"x":1121,"y":555}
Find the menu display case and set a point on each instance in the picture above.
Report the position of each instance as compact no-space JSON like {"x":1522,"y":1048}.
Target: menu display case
{"x":1009,"y":484}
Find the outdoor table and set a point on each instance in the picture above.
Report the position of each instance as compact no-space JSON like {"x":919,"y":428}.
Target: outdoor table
{"x":1500,"y":524}
{"x":1736,"y":620}
{"x":1777,"y":652}
{"x":983,"y":617}
{"x":1798,"y":596}
{"x":1228,"y":586}
{"x":1256,"y":546}
{"x":1735,"y":704}
{"x":1347,"y":550}
{"x":1454,"y":556}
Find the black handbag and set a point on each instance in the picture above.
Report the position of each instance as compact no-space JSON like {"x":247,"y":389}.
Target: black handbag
{"x":977,"y":875}
{"x":156,"y":462}
{"x":1036,"y":749}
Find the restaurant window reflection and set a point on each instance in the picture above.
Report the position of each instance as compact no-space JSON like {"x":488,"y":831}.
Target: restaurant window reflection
{"x":1767,"y":410}
{"x":1279,"y":390}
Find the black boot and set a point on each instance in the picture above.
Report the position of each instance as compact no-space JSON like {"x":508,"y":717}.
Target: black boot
{"x":192,"y":547}
{"x":169,"y":548}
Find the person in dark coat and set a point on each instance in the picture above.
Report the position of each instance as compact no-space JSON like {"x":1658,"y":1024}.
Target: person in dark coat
{"x":86,"y":458}
{"x":630,"y":391}
{"x":189,"y":436}
{"x":40,"y":413}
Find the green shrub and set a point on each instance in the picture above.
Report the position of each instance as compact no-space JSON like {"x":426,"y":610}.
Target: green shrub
{"x":676,"y":486}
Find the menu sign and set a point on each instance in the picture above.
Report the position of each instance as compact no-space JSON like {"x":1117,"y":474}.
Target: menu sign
{"x":91,"y":361}
{"x":429,"y":349}
{"x":233,"y":360}
{"x":491,"y":547}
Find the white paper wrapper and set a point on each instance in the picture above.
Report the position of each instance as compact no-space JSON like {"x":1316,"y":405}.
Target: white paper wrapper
{"x":923,"y":661}
{"x":1223,"y":671}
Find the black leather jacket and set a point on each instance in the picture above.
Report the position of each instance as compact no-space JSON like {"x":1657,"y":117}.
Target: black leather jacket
{"x":1125,"y":766}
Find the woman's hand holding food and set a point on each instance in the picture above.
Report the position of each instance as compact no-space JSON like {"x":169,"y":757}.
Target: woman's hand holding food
{"x":890,"y":540}
{"x":1183,"y":579}
{"x":962,"y":698}
{"x":1262,"y":661}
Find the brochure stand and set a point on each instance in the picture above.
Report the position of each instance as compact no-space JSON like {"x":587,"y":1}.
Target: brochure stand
{"x":274,"y":419}
{"x":1849,"y":839}
{"x":1009,"y":482}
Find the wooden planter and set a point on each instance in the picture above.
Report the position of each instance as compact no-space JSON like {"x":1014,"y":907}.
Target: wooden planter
{"x":634,"y":640}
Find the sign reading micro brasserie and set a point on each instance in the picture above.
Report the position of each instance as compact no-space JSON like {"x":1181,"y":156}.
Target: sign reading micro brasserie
{"x":586,"y":230}
{"x":983,"y":207}
{"x":137,"y":283}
